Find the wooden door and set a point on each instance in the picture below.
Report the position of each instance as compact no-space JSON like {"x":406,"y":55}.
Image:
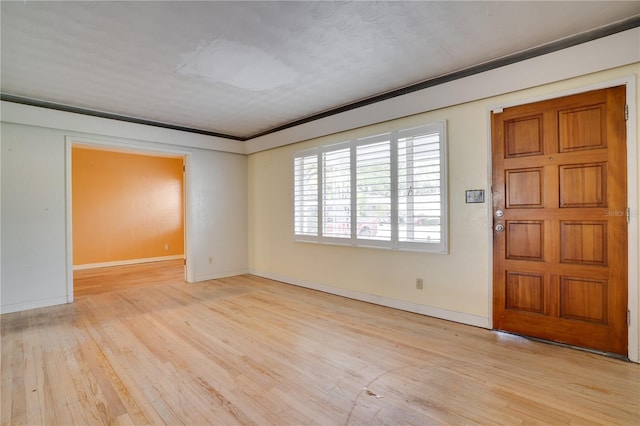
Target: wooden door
{"x":560,"y":220}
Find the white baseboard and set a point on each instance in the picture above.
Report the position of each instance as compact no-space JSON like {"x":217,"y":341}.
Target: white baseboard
{"x":431,"y":311}
{"x":126,"y":262}
{"x":16,"y":307}
{"x":219,"y":275}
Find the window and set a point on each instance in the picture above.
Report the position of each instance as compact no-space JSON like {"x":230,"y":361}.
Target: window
{"x":336,"y":193}
{"x":373,"y":188}
{"x":306,"y":195}
{"x":382,"y":191}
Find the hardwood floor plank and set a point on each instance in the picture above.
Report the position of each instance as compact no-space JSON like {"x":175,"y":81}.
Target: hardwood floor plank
{"x":102,"y":280}
{"x":247,"y":350}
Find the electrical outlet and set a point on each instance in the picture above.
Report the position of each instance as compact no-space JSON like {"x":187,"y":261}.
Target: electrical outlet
{"x":419,"y":283}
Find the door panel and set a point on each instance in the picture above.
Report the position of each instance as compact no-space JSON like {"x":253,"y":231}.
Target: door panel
{"x":524,"y":187}
{"x":560,"y":263}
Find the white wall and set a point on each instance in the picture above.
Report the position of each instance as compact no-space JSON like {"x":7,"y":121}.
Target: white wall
{"x":458,"y":285}
{"x":35,"y":267}
{"x":454,"y":284}
{"x":218,"y":217}
{"x":33,"y":217}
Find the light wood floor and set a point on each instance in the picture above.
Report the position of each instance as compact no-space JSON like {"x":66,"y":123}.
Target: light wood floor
{"x":246,"y":350}
{"x":101,"y":280}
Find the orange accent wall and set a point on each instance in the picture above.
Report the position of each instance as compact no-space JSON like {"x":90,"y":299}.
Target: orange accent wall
{"x":125,"y":206}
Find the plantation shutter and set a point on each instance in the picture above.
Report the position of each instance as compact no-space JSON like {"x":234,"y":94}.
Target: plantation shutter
{"x":373,"y":186}
{"x":336,"y":193}
{"x":305,"y":198}
{"x":419,"y":186}
{"x":387,"y":191}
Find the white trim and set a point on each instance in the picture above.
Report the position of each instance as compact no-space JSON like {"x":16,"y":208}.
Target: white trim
{"x":17,"y":307}
{"x":633,"y":350}
{"x":459,"y":317}
{"x":490,"y":215}
{"x":68,"y":220}
{"x":188,"y":245}
{"x":126,"y":262}
{"x":127,"y":147}
{"x":632,"y":203}
{"x":567,"y":92}
{"x":69,"y":121}
{"x":218,"y":275}
{"x":0,"y":220}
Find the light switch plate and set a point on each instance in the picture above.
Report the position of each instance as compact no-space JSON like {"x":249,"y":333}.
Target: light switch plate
{"x":475,"y":195}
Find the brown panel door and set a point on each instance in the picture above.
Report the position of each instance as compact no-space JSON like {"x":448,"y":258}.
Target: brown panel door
{"x":560,"y":225}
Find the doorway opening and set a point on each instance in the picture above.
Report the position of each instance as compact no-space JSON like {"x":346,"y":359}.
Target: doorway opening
{"x":127,"y":218}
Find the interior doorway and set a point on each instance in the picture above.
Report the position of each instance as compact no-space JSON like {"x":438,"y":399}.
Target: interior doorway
{"x":127,"y":212}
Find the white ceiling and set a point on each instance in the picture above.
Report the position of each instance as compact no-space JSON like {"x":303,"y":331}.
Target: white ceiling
{"x":244,"y":68}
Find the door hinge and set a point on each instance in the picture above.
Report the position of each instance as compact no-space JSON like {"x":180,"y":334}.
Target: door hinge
{"x":626,"y":112}
{"x":628,"y":317}
{"x":185,"y":261}
{"x":628,"y":215}
{"x":184,"y":168}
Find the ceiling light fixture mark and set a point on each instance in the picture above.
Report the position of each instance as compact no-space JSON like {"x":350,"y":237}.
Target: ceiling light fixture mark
{"x":236,"y":64}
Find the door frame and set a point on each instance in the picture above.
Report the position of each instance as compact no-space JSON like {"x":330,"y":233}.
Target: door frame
{"x":131,"y":148}
{"x":632,"y":196}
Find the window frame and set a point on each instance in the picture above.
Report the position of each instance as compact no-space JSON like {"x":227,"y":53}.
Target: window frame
{"x":353,"y":239}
